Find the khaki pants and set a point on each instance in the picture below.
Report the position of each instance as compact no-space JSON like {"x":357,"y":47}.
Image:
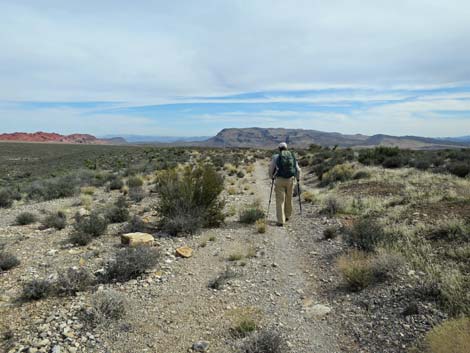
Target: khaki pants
{"x":283,"y":189}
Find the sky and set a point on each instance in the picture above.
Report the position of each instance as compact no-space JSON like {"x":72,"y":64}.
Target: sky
{"x":191,"y":68}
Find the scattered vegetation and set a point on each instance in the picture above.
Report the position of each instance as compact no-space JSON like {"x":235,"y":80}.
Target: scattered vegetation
{"x":25,"y":218}
{"x":36,"y":289}
{"x":57,"y":220}
{"x":106,"y":305}
{"x":366,"y":234}
{"x":219,"y":282}
{"x":73,"y":280}
{"x":119,"y":212}
{"x":130,"y":263}
{"x":7,"y":260}
{"x":261,"y":225}
{"x":251,"y":214}
{"x":265,"y":341}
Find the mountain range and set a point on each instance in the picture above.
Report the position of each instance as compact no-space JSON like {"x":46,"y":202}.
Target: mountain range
{"x":253,"y":137}
{"x":269,"y":138}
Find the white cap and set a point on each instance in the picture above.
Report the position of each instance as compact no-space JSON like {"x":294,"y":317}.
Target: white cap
{"x":283,"y":145}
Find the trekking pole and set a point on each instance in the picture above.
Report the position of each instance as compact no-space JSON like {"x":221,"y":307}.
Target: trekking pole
{"x":300,"y":199}
{"x":270,"y":195}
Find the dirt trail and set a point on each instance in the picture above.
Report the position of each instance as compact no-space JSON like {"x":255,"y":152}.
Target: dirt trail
{"x":173,"y":307}
{"x":275,"y":284}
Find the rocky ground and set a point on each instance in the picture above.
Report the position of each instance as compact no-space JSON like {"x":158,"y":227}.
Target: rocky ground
{"x":285,"y":278}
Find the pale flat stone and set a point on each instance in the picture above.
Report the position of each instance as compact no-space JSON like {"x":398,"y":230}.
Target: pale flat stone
{"x":137,"y":239}
{"x":184,"y":251}
{"x":317,"y":311}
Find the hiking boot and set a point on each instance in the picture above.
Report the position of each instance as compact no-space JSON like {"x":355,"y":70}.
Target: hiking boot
{"x":287,"y":219}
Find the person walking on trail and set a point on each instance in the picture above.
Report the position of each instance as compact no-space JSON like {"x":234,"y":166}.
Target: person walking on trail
{"x":284,"y":168}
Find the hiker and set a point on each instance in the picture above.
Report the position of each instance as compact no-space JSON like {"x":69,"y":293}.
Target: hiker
{"x":284,"y":168}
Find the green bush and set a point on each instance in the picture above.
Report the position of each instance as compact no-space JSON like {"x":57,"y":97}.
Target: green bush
{"x":356,"y":270}
{"x":331,"y":206}
{"x":55,"y":188}
{"x":190,"y":200}
{"x":130,"y":263}
{"x":461,"y":169}
{"x":57,"y":220}
{"x":251,"y":215}
{"x":339,"y":173}
{"x":134,"y":182}
{"x":25,"y":218}
{"x":365,"y":234}
{"x":331,"y":232}
{"x":453,"y":336}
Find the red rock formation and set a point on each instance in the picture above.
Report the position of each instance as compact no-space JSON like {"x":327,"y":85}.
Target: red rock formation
{"x":51,"y":137}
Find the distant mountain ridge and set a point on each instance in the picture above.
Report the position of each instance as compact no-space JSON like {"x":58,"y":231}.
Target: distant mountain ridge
{"x":270,"y":137}
{"x":160,"y":139}
{"x":53,"y":137}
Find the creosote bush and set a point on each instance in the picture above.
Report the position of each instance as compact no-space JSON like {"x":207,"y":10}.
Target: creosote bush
{"x":56,"y":188}
{"x":331,"y":232}
{"x":116,"y":183}
{"x":57,"y":220}
{"x":332,"y":206}
{"x":25,"y":218}
{"x":189,"y":200}
{"x":94,"y":224}
{"x":130,"y":263}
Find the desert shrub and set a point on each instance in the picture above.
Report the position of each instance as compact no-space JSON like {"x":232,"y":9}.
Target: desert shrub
{"x":36,"y":289}
{"x":451,"y":230}
{"x":361,"y":174}
{"x":454,"y":292}
{"x":365,"y":234}
{"x":190,"y":200}
{"x":7,"y":260}
{"x":118,"y":212}
{"x":385,"y":264}
{"x":57,"y":220}
{"x":6,"y":198}
{"x":265,"y":341}
{"x":356,"y":270}
{"x":245,"y":321}
{"x":261,"y":226}
{"x":93,"y":224}
{"x":106,"y":305}
{"x":251,"y":214}
{"x":135,"y":224}
{"x":339,"y":173}
{"x":88,"y":190}
{"x":460,"y":169}
{"x":136,"y":194}
{"x":134,"y":182}
{"x":25,"y":218}
{"x":219,"y":282}
{"x":80,"y":239}
{"x":240,"y":174}
{"x":332,"y":206}
{"x":309,"y":196}
{"x":331,"y":232}
{"x":72,"y":281}
{"x":116,"y":183}
{"x":453,"y":336}
{"x":130,"y":263}
{"x":393,"y":162}
{"x":55,"y":188}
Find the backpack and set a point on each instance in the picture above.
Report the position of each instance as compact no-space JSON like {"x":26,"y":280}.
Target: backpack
{"x":286,"y":164}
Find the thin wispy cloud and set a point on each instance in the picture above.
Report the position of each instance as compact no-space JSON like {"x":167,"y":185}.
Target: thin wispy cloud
{"x":185,"y":67}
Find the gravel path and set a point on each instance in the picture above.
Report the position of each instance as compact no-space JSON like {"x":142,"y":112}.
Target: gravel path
{"x":173,"y":307}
